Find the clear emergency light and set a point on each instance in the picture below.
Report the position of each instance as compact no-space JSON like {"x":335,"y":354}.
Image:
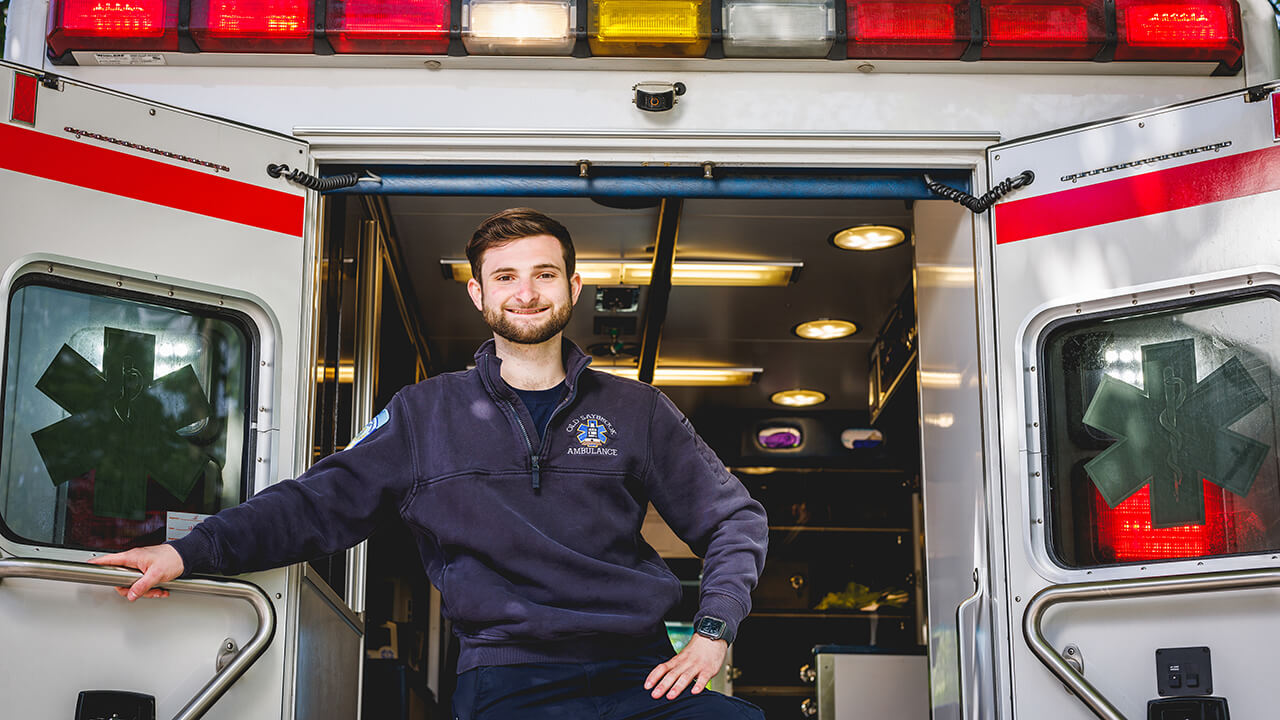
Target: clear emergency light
{"x":908,"y":29}
{"x":113,"y":25}
{"x":281,"y":26}
{"x":526,"y":27}
{"x":778,"y":28}
{"x":1039,"y":30}
{"x":1165,"y":30}
{"x":649,"y":28}
{"x":410,"y":27}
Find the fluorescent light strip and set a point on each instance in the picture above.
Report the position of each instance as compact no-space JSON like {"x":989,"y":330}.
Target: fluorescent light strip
{"x":683,"y":272}
{"x":689,"y":376}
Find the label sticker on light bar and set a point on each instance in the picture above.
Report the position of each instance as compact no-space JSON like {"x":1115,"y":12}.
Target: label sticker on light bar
{"x":128,"y":58}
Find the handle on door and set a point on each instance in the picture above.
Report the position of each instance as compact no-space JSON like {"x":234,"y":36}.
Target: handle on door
{"x":966,"y":645}
{"x":1113,"y":589}
{"x":86,"y":574}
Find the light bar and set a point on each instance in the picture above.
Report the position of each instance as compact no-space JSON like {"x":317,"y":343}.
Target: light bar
{"x":683,"y":272}
{"x":778,"y":28}
{"x":727,"y":274}
{"x":526,"y":27}
{"x":1204,"y":30}
{"x":649,"y":28}
{"x":1040,"y":30}
{"x":908,"y":29}
{"x":418,"y":27}
{"x":676,"y":376}
{"x":113,"y":25}
{"x":280,"y":26}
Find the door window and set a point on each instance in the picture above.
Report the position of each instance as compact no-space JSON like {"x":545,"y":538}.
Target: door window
{"x":1160,"y":433}
{"x":126,"y":417}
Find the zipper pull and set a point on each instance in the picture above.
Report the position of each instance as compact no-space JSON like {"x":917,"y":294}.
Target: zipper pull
{"x":537,"y":474}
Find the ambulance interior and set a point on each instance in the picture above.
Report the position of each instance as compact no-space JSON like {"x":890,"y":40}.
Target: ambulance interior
{"x":838,"y":478}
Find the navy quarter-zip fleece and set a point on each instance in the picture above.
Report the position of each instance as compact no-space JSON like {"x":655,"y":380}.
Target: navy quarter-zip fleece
{"x":534,"y":542}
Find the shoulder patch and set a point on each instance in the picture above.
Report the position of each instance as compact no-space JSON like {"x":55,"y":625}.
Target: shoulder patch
{"x":381,"y":419}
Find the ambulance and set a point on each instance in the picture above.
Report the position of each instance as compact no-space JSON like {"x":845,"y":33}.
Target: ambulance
{"x":980,"y":298}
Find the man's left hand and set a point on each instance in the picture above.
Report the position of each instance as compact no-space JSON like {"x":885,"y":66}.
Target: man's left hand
{"x":697,"y":663}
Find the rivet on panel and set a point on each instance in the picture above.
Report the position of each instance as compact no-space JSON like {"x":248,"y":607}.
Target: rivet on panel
{"x":1017,"y":598}
{"x":866,"y":68}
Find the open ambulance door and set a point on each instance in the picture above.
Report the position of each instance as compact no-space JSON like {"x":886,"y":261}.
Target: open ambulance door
{"x":1137,"y":339}
{"x":156,"y":339}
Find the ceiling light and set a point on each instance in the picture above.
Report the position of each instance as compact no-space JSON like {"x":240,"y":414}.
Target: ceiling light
{"x":798,"y":398}
{"x":688,"y":376}
{"x":868,"y":237}
{"x":684,"y":272}
{"x":825,"y":329}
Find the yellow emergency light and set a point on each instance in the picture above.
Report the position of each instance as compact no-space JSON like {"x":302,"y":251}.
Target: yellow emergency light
{"x":649,"y":28}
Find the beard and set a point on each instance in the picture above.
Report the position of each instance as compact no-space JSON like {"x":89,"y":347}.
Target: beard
{"x":556,"y":319}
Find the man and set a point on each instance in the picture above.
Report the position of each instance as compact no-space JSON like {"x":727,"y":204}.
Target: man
{"x":525,"y":481}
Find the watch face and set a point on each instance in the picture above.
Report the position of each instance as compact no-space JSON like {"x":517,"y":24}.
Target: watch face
{"x":711,"y":627}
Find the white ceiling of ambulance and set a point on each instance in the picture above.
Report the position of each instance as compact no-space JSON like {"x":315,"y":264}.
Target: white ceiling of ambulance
{"x":747,"y":327}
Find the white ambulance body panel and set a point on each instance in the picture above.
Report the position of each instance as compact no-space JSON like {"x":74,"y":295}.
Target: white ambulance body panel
{"x":1133,"y":216}
{"x":201,"y":224}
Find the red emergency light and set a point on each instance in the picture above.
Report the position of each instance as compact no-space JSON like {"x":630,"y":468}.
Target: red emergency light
{"x":1124,"y":533}
{"x":411,"y":27}
{"x":275,"y":26}
{"x":1203,"y":30}
{"x":113,"y":25}
{"x":1039,"y":30}
{"x":908,"y":29}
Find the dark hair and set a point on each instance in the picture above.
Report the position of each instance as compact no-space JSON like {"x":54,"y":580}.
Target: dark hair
{"x":513,"y":224}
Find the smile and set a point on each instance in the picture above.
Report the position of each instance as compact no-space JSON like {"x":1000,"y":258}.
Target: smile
{"x":526,"y":311}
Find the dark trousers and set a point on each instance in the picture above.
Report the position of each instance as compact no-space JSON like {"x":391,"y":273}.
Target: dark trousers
{"x":607,"y":690}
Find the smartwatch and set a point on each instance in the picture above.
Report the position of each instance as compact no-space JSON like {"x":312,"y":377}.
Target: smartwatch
{"x":714,"y":628}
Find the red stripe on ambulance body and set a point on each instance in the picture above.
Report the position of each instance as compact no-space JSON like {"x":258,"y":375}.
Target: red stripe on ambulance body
{"x":117,"y":173}
{"x":1221,"y":178}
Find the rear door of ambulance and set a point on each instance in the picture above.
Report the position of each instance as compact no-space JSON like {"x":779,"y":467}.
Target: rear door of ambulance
{"x":153,"y":276}
{"x":1137,"y":306}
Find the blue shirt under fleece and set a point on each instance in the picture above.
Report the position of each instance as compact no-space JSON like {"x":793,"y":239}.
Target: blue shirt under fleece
{"x":532,"y":536}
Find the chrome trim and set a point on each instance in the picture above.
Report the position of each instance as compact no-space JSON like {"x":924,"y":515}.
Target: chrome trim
{"x":368,"y":321}
{"x":1109,"y":590}
{"x":966,"y":639}
{"x":86,"y":574}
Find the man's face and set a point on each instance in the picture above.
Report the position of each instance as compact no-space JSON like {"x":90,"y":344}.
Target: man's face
{"x":523,"y":290}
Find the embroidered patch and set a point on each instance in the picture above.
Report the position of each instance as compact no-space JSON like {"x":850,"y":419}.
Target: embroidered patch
{"x":593,"y":433}
{"x":382,"y":419}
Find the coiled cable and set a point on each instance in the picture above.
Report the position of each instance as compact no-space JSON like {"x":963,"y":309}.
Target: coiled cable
{"x":319,"y":184}
{"x":989,"y":198}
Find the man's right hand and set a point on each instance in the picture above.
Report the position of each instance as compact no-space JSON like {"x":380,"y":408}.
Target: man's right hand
{"x":159,"y":564}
